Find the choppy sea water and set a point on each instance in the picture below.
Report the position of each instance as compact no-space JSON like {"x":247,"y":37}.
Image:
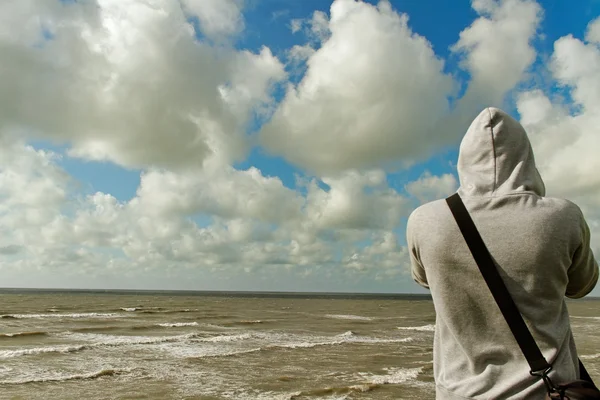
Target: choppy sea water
{"x":168,"y":346}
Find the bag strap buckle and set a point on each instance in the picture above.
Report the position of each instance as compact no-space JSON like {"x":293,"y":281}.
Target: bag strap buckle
{"x":543,"y":373}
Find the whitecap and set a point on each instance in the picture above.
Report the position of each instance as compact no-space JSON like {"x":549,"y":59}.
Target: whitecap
{"x":424,"y":328}
{"x":348,"y":316}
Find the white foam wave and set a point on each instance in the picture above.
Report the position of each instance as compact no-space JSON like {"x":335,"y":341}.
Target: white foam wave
{"x":348,"y":316}
{"x":96,"y":341}
{"x":344,"y":338}
{"x":56,"y":315}
{"x":177,"y":324}
{"x":129,"y":309}
{"x":62,"y":378}
{"x":393,"y":376}
{"x":589,"y":356}
{"x":208,"y":352}
{"x":424,"y":328}
{"x":225,"y":338}
{"x":41,"y":350}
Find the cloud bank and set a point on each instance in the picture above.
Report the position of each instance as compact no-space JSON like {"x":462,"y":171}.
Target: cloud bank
{"x":159,"y":86}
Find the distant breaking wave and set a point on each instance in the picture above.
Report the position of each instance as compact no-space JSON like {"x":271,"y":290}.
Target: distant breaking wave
{"x":109,"y":341}
{"x":57,"y":315}
{"x":62,"y":378}
{"x":352,"y":317}
{"x":266,"y":342}
{"x":344,"y":338}
{"x":109,"y":328}
{"x":42,"y":350}
{"x":424,"y":328}
{"x":177,"y":324}
{"x":22,"y":334}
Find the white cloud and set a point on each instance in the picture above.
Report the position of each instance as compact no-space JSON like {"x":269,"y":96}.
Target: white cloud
{"x":355,"y":201}
{"x":593,"y":31}
{"x":254,"y":221}
{"x":301,"y":53}
{"x":430,"y":187}
{"x":296,"y":25}
{"x":566,"y":137}
{"x":217,"y":17}
{"x":226,"y":193}
{"x":133,"y":83}
{"x":121,"y":82}
{"x":371,"y":94}
{"x":496,"y":51}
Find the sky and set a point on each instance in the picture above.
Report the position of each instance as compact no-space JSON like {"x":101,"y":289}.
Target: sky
{"x":274,"y":145}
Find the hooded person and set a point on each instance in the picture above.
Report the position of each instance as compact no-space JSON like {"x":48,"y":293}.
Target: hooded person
{"x":542,"y":249}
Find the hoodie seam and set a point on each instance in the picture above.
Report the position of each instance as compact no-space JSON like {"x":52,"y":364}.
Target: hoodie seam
{"x":493,"y":151}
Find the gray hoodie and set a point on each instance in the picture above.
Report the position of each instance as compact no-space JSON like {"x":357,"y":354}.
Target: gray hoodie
{"x":542,"y":249}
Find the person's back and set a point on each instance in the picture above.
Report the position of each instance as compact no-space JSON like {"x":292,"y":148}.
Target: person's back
{"x":541,"y":247}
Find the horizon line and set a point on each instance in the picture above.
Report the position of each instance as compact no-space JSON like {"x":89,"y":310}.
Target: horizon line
{"x":239,"y":293}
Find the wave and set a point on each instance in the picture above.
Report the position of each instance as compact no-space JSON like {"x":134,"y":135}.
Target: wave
{"x":106,"y":328}
{"x":590,"y":356}
{"x":264,"y":341}
{"x":162,"y":311}
{"x":348,"y":316}
{"x":41,"y":350}
{"x":225,"y":338}
{"x":95,"y":341}
{"x":109,"y":328}
{"x":373,"y":381}
{"x":177,"y":324}
{"x":56,"y":315}
{"x":23,"y":334}
{"x":394,"y":376}
{"x":348,"y":337}
{"x":424,"y":328}
{"x":328,"y":391}
{"x":250,"y":322}
{"x":62,"y":378}
{"x":198,"y":353}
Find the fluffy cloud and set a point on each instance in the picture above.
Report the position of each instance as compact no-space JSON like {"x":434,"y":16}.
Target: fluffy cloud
{"x":119,"y":81}
{"x":136,"y":83}
{"x":566,"y":137}
{"x":429,"y":187}
{"x":496,"y":51}
{"x":375,"y":94}
{"x":355,"y":201}
{"x":217,"y":17}
{"x":32,"y":192}
{"x":254,"y":221}
{"x":371,"y":94}
{"x":593,"y":31}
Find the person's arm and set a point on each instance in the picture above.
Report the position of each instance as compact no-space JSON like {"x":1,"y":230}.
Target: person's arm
{"x":583,"y":272}
{"x":417,"y":269}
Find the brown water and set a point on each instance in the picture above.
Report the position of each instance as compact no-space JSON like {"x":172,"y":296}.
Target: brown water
{"x":114,"y":346}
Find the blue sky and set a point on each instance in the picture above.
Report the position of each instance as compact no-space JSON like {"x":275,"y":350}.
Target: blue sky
{"x":153,"y":145}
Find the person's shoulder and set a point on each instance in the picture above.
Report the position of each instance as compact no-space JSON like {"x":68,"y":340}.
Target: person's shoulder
{"x":428,"y":211}
{"x":564,"y":207}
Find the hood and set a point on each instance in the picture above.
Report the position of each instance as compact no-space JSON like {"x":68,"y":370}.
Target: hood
{"x":496,"y":158}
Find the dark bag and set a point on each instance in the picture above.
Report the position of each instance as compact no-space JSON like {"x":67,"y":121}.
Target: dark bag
{"x":580,"y":389}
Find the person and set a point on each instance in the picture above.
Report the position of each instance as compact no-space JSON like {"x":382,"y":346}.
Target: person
{"x":542,"y":249}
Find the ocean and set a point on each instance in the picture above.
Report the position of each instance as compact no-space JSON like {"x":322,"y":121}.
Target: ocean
{"x":182,"y":345}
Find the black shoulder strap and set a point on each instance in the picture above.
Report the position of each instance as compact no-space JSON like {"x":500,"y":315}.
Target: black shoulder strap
{"x":486,"y":265}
